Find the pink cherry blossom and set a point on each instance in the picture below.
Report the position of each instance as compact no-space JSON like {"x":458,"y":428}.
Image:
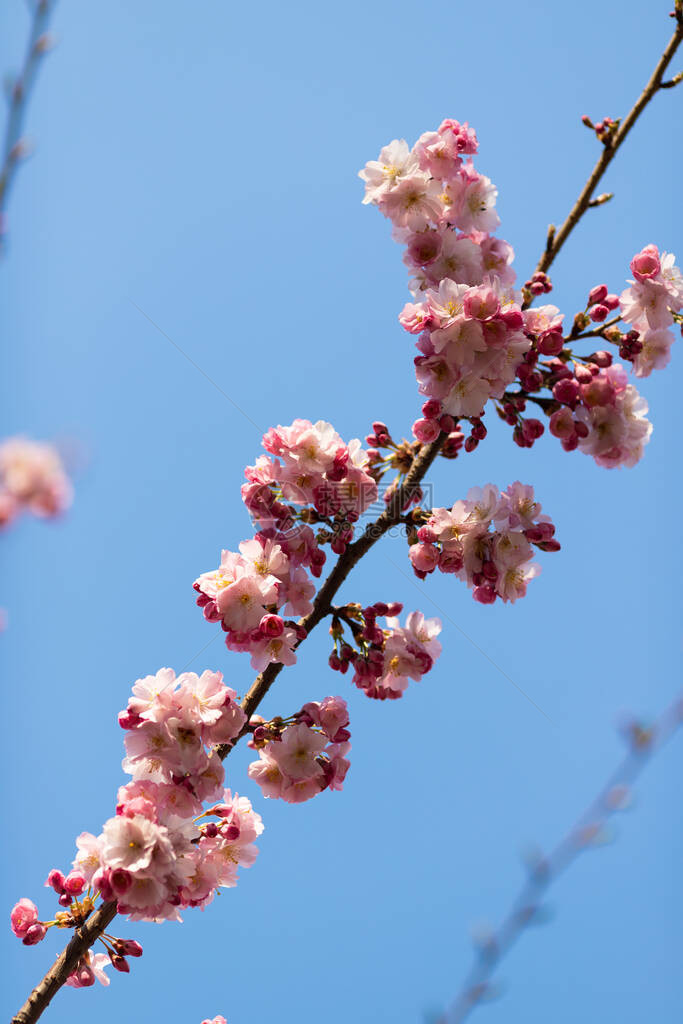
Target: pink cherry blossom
{"x":24,"y":915}
{"x":32,"y":479}
{"x":414,"y":202}
{"x":396,"y":161}
{"x":655,"y":352}
{"x":493,"y":562}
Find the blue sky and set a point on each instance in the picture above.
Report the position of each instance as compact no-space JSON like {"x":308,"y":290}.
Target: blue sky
{"x":200,"y":162}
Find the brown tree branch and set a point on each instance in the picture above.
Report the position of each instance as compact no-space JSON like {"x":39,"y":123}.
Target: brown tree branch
{"x":644,"y":742}
{"x":20,"y":90}
{"x":83,"y":938}
{"x":97,"y":923}
{"x":557,"y":238}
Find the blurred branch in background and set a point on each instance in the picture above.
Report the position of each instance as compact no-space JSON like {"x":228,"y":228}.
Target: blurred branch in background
{"x":587,"y":832}
{"x":18,"y":89}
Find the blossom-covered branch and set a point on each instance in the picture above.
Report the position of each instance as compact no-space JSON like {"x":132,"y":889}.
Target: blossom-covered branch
{"x":478,"y":343}
{"x":14,"y":146}
{"x":643,"y":742}
{"x":95,"y":925}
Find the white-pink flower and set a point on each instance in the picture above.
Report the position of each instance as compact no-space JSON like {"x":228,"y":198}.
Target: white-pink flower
{"x":396,"y":161}
{"x":415,"y":202}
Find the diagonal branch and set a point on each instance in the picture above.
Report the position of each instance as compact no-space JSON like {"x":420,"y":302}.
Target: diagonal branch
{"x":557,"y":238}
{"x":20,"y":90}
{"x":98,"y":922}
{"x":644,"y":743}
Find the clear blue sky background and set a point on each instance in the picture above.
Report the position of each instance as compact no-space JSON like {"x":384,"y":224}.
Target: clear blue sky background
{"x":200,"y":160}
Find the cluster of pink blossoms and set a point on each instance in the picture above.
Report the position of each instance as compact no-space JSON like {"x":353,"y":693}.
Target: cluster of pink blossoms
{"x":648,"y":305}
{"x":32,"y":479}
{"x":155,"y":857}
{"x":71,"y":890}
{"x":384,"y":660}
{"x":309,"y":465}
{"x":304,"y":756}
{"x":152,"y":857}
{"x":469,"y":319}
{"x":601,"y":413}
{"x":487,"y":541}
{"x":475,"y":336}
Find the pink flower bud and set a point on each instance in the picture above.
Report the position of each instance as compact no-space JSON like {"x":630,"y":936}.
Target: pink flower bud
{"x":599,"y":313}
{"x":532,"y":429}
{"x":512,"y":319}
{"x":561,"y":423}
{"x":424,"y":557}
{"x":34,"y":934}
{"x":602,"y":359}
{"x":645,"y":265}
{"x":221,"y":810}
{"x":597,"y":294}
{"x":426,"y":430}
{"x":549,"y":545}
{"x":271,"y":625}
{"x":611,"y":301}
{"x":119,"y":963}
{"x":129,"y":947}
{"x":128,"y":720}
{"x":551,"y":343}
{"x":55,"y":880}
{"x":583,"y":374}
{"x":484,"y":594}
{"x":75,"y":883}
{"x":431,"y":409}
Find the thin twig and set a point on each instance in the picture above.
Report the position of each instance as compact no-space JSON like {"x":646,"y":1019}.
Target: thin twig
{"x":20,"y":90}
{"x":88,"y":934}
{"x":559,"y":237}
{"x":644,"y":742}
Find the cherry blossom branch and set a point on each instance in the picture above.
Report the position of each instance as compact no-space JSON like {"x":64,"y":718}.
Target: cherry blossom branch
{"x":611,"y":143}
{"x":416,"y":459}
{"x":14,"y":148}
{"x":85,"y":936}
{"x":389,"y":518}
{"x":644,"y":741}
